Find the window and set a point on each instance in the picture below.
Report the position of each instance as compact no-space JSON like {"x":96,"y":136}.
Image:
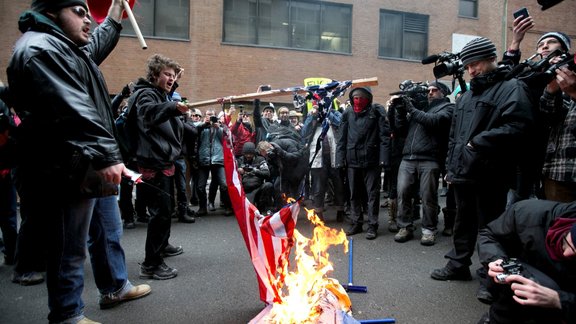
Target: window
{"x":308,"y":25}
{"x":161,"y":18}
{"x":403,"y":35}
{"x":468,"y":8}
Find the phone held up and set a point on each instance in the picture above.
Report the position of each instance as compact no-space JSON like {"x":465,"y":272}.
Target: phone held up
{"x":521,"y":12}
{"x":265,"y":87}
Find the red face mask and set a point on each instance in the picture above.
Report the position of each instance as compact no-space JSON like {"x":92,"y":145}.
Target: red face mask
{"x":360,"y":104}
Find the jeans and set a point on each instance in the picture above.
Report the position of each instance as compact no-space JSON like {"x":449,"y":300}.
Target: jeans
{"x":180,"y":182}
{"x":410,"y":174}
{"x":218,"y":176}
{"x":66,"y":223}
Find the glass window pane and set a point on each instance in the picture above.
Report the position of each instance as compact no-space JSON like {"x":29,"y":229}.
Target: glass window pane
{"x":273,"y":26}
{"x":172,"y":19}
{"x":468,"y":8}
{"x":239,"y":21}
{"x":305,"y":22}
{"x":390,"y":35}
{"x":335,"y":32}
{"x":414,"y":48}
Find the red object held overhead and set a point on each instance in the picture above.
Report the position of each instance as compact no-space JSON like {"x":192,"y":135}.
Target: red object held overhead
{"x":99,"y":9}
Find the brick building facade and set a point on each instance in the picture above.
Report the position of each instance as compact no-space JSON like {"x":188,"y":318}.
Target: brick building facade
{"x":215,"y":69}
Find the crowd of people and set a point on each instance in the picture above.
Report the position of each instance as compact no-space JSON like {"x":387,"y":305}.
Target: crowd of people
{"x":503,"y":141}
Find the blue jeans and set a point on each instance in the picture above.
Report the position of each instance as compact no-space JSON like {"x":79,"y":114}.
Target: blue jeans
{"x":76,"y":224}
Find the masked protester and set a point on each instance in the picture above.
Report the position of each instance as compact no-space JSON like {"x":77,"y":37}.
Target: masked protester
{"x":361,"y":151}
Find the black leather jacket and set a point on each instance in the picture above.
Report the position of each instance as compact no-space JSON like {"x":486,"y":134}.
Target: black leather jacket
{"x":61,"y":97}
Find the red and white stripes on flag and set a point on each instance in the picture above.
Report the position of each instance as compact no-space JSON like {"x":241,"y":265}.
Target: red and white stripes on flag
{"x":267,"y":237}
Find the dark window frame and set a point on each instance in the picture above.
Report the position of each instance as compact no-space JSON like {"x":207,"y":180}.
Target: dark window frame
{"x":255,"y":30}
{"x":405,"y":29}
{"x":153,"y":21}
{"x":473,"y":6}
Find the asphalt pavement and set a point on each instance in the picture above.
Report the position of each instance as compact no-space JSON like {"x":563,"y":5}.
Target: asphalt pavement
{"x":217,"y":284}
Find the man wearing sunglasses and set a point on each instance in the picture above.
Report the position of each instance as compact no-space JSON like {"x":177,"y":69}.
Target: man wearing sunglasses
{"x":540,"y":234}
{"x":69,"y":160}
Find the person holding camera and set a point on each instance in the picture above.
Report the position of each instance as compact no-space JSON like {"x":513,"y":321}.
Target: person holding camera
{"x":489,"y":123}
{"x":255,"y":175}
{"x":211,"y":163}
{"x":531,"y":258}
{"x":241,"y":131}
{"x":423,"y":153}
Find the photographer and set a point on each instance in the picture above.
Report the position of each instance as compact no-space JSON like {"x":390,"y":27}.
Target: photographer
{"x":558,"y":106}
{"x":424,"y":152}
{"x":241,"y":130}
{"x":255,"y":174}
{"x":540,"y":234}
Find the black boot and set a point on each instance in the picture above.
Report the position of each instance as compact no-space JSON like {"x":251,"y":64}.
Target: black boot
{"x":184,"y":217}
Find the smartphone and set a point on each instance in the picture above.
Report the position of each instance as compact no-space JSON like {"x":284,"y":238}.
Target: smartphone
{"x":521,"y":12}
{"x":265,"y":87}
{"x":213,"y":119}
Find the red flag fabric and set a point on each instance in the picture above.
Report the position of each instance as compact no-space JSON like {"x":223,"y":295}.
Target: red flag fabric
{"x":267,"y":237}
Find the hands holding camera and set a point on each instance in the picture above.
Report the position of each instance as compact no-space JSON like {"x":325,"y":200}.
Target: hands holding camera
{"x":526,"y":291}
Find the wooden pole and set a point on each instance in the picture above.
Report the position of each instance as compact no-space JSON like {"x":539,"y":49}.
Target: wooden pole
{"x":135,"y":25}
{"x":367,"y":82}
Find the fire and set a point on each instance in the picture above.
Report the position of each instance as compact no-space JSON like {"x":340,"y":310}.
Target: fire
{"x":307,"y":288}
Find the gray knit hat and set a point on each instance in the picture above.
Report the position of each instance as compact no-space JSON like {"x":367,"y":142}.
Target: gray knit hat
{"x":46,"y":5}
{"x":561,"y":37}
{"x":477,"y":49}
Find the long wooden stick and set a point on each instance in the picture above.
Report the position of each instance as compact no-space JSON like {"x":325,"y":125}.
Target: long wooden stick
{"x":135,"y":25}
{"x":367,"y":82}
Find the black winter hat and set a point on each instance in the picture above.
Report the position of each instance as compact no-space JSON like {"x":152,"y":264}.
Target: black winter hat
{"x":249,"y":148}
{"x":368,"y":90}
{"x":47,"y":5}
{"x":442,"y":87}
{"x":477,"y":49}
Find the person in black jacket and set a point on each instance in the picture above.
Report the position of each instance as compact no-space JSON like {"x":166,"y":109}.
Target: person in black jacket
{"x":423,"y":154}
{"x":540,"y":235}
{"x":361,"y":150}
{"x":489,"y":123}
{"x":255,"y":178}
{"x":67,"y":122}
{"x":160,"y":136}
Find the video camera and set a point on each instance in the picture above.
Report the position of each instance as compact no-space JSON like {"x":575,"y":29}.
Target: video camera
{"x":567,"y":60}
{"x":415,"y":92}
{"x":529,"y":68}
{"x":446,"y":64}
{"x":512,"y":266}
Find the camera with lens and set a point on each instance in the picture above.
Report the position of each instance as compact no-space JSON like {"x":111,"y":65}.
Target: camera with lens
{"x":447,"y":64}
{"x":247,"y":168}
{"x":566,"y":60}
{"x":511,"y":267}
{"x":414,"y":92}
{"x":213,"y":119}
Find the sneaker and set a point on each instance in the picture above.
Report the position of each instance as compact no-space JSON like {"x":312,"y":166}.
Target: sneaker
{"x":110,"y":300}
{"x":86,"y":320}
{"x":403,"y":235}
{"x":354,"y":229}
{"x":28,"y":278}
{"x":211,"y":207}
{"x":171,"y":250}
{"x":447,"y":273}
{"x":160,"y":272}
{"x":371,"y":233}
{"x":428,"y":239}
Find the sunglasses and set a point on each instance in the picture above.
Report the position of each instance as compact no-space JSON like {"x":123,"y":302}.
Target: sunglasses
{"x":81,"y":12}
{"x":565,"y":240}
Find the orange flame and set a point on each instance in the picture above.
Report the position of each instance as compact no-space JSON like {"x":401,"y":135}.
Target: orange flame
{"x":306,"y":286}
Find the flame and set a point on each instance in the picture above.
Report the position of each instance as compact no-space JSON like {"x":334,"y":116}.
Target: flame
{"x":308,"y":284}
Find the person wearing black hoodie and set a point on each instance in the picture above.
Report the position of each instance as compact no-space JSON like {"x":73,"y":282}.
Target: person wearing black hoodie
{"x":361,"y":150}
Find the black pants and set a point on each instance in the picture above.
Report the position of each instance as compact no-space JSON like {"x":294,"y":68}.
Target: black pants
{"x":160,"y":208}
{"x":364,"y":182}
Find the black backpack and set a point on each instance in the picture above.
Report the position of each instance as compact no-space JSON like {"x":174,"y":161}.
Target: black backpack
{"x":127,"y":128}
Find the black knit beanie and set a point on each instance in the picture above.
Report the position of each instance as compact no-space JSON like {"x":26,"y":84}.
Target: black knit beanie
{"x":477,"y":49}
{"x":442,"y":87}
{"x":55,"y":5}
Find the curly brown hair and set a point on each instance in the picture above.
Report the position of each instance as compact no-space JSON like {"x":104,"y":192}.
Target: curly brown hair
{"x":157,"y":62}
